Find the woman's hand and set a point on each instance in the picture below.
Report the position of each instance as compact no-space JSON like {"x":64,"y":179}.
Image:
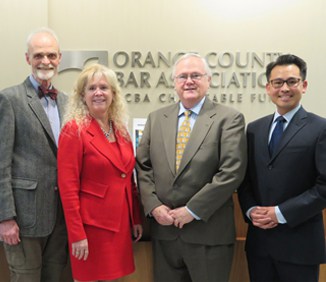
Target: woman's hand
{"x":137,"y":231}
{"x":80,"y":249}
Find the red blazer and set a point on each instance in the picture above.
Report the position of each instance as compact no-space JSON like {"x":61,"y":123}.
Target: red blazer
{"x":94,"y":180}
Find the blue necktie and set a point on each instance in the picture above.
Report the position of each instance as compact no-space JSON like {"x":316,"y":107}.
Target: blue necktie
{"x":276,"y":135}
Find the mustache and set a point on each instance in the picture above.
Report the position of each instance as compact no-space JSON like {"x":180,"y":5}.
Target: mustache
{"x":49,"y":66}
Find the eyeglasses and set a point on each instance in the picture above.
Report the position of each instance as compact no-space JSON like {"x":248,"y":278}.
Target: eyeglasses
{"x":181,"y":78}
{"x":291,"y":82}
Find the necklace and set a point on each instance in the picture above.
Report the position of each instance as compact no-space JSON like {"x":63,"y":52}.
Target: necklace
{"x":107,"y":134}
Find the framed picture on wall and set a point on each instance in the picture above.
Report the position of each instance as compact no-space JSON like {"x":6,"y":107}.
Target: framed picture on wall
{"x":137,"y":131}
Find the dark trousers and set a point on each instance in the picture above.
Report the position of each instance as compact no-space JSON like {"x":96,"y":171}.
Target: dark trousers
{"x":178,"y":261}
{"x":266,"y":269}
{"x":39,"y":259}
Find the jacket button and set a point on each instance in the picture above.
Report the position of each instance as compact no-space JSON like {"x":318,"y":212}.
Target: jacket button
{"x":123,"y":175}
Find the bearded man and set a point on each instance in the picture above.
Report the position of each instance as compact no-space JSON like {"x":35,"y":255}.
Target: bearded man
{"x":32,"y":225}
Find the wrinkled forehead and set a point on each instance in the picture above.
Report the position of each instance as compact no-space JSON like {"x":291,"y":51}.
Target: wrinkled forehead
{"x":43,"y":43}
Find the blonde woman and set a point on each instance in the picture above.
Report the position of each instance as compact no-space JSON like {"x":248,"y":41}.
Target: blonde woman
{"x":95,"y":166}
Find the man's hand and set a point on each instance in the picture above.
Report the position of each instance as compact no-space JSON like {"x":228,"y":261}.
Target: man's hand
{"x":161,"y":215}
{"x":9,"y":232}
{"x":181,"y":216}
{"x":264,"y":217}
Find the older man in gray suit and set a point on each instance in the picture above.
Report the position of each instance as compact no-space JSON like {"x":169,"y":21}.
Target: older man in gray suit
{"x":189,"y":199}
{"x":31,"y":220}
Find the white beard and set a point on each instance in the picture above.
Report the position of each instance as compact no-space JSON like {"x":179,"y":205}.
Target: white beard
{"x":45,"y":74}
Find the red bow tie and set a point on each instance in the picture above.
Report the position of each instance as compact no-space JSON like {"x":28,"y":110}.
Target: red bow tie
{"x":45,"y":91}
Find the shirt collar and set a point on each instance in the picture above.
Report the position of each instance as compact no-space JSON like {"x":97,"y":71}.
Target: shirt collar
{"x":195,"y":109}
{"x":35,"y":83}
{"x":289,"y":115}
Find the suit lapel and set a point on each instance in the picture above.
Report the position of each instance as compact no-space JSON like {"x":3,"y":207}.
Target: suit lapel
{"x":101,"y":144}
{"x":199,"y":132}
{"x":264,"y":131}
{"x":296,"y":124}
{"x":61,"y":100}
{"x":36,"y":107}
{"x":169,"y":124}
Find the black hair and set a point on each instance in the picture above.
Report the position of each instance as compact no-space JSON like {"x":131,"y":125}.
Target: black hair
{"x":288,"y":59}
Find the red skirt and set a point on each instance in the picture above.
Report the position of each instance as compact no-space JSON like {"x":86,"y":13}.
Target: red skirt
{"x":110,"y":253}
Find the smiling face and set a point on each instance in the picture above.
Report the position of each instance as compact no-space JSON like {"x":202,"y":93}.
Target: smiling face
{"x":98,"y":97}
{"x":44,"y":57}
{"x":286,"y":98}
{"x":191,"y":81}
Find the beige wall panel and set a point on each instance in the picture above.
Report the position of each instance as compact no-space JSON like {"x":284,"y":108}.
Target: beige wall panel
{"x":151,"y":26}
{"x":221,"y":26}
{"x":18,"y":19}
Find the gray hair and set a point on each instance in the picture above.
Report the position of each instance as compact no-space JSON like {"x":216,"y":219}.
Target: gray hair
{"x":38,"y":31}
{"x":189,"y":55}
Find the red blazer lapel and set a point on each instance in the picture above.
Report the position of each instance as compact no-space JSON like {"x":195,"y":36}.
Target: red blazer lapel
{"x":100,"y":143}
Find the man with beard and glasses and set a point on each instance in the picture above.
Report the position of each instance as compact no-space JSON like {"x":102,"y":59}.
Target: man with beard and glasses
{"x":32,"y":225}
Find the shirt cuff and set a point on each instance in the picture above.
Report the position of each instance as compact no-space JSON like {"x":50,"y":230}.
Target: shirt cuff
{"x":193,"y":214}
{"x":279,"y":216}
{"x":248,"y":212}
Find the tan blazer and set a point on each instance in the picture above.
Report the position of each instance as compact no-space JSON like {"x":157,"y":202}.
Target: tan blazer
{"x":212,"y":167}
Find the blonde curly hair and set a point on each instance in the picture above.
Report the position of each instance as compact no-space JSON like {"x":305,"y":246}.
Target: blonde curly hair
{"x":77,"y":109}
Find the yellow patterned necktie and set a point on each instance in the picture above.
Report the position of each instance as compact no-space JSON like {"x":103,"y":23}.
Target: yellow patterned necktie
{"x":182,"y":138}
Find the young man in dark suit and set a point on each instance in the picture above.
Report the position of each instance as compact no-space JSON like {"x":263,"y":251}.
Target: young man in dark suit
{"x":284,"y":191}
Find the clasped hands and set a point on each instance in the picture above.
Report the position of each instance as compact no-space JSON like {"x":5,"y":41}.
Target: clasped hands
{"x":263,"y":217}
{"x":166,"y":216}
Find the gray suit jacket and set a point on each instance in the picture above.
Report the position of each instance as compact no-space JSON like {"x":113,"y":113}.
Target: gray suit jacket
{"x":294,"y":178}
{"x":212,"y":167}
{"x":28,"y":167}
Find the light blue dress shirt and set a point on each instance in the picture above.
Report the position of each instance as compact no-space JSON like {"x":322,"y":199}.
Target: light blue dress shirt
{"x":193,"y":117}
{"x":51,"y":109}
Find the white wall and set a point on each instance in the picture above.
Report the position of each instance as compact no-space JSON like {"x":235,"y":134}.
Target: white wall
{"x":243,"y":26}
{"x":17,"y":19}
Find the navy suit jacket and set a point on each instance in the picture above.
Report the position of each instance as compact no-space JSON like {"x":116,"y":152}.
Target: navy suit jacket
{"x":294,"y":178}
